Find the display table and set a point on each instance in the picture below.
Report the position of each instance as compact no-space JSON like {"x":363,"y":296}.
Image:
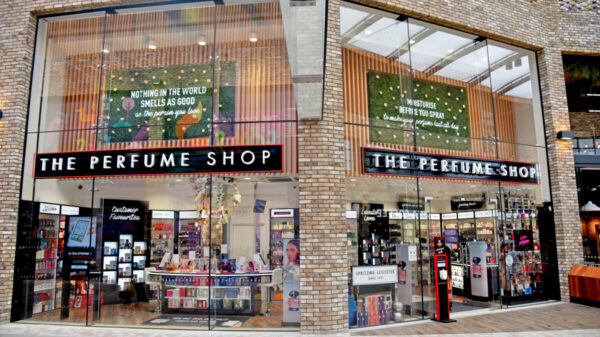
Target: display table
{"x":228,"y":293}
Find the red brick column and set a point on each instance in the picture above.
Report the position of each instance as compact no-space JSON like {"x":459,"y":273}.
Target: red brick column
{"x":323,"y":245}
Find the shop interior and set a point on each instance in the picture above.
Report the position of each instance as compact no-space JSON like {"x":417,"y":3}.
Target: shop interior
{"x":482,"y":228}
{"x":178,"y":251}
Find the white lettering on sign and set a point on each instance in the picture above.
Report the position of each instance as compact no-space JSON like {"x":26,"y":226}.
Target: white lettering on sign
{"x":69,"y":210}
{"x":163,"y":215}
{"x":367,"y":275}
{"x":49,"y":208}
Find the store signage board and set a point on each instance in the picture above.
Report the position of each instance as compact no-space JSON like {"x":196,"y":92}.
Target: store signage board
{"x":409,"y":216}
{"x":405,"y":163}
{"x":282,"y":213}
{"x":465,"y":215}
{"x":434,"y":216}
{"x":157,"y":161}
{"x":69,"y":210}
{"x":49,"y":208}
{"x":351,"y":215}
{"x":369,"y":275}
{"x":188,"y":215}
{"x":395,"y":215}
{"x":449,"y":216}
{"x":163,"y":215}
{"x":484,"y":214}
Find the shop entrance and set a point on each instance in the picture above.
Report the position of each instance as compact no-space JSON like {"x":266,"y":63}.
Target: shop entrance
{"x":203,"y":252}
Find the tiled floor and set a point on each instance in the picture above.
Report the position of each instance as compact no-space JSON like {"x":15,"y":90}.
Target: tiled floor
{"x":554,"y":319}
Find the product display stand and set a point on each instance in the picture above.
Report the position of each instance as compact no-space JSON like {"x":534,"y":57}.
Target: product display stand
{"x":230,"y":294}
{"x":46,"y":262}
{"x":284,"y":225}
{"x":521,"y":259}
{"x":162,"y":234}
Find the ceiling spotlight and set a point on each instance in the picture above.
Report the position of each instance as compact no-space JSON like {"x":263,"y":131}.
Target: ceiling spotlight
{"x":202,"y":40}
{"x":105,"y":51}
{"x":368,"y":32}
{"x":412,"y":41}
{"x":450,"y":51}
{"x":253,"y":37}
{"x":152,"y":44}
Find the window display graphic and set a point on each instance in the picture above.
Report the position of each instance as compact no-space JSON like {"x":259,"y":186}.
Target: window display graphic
{"x":479,"y":281}
{"x":291,"y":282}
{"x":434,"y":108}
{"x":164,"y":103}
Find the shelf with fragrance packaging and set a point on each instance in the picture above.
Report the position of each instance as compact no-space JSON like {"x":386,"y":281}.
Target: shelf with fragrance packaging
{"x":192,"y":226}
{"x":46,"y":257}
{"x":163,"y":225}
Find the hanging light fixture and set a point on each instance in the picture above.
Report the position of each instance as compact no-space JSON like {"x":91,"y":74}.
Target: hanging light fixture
{"x":253,"y":37}
{"x":202,"y":40}
{"x":590,"y":206}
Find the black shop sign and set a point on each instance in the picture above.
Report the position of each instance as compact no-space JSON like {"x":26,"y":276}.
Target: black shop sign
{"x":152,"y":161}
{"x":406,"y":163}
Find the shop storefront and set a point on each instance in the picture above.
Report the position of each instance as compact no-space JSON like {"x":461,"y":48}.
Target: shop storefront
{"x":444,"y":138}
{"x":161,"y":185}
{"x":171,"y":179}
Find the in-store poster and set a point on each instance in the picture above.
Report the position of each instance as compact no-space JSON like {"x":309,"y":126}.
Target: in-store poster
{"x":291,"y":282}
{"x":479,"y":282}
{"x":173,"y":102}
{"x":439,"y":112}
{"x":404,"y":288}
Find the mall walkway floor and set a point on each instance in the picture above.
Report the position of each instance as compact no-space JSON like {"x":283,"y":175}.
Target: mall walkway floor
{"x":549,"y":319}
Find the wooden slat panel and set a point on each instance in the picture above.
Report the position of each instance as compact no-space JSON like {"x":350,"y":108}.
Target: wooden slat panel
{"x":263,"y":85}
{"x":356,"y":64}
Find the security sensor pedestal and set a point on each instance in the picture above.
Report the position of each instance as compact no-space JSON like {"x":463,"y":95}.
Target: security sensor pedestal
{"x":442,"y":267}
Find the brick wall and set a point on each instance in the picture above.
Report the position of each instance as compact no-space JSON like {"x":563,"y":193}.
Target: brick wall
{"x":323,"y":245}
{"x":540,"y":25}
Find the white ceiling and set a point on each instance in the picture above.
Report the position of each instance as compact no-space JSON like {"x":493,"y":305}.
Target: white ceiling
{"x":386,"y":36}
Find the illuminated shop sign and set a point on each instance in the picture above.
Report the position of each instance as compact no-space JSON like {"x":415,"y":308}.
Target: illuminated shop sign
{"x":405,"y":163}
{"x":178,"y":160}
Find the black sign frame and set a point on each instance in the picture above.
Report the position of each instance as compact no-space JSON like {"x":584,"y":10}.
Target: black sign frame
{"x":196,"y":159}
{"x":413,"y":171}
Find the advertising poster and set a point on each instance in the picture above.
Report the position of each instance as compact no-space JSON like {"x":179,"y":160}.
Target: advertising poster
{"x":82,"y":232}
{"x":404,"y":290}
{"x":440,"y":111}
{"x":169,"y":102}
{"x":291,"y":282}
{"x":123,"y":217}
{"x":479,"y":282}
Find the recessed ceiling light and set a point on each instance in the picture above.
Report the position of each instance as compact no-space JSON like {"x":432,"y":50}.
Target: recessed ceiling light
{"x":202,"y":40}
{"x":412,"y":41}
{"x":152,"y":44}
{"x":368,"y":32}
{"x":105,"y":51}
{"x":246,"y":178}
{"x":178,"y":180}
{"x":450,"y":51}
{"x":253,"y":37}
